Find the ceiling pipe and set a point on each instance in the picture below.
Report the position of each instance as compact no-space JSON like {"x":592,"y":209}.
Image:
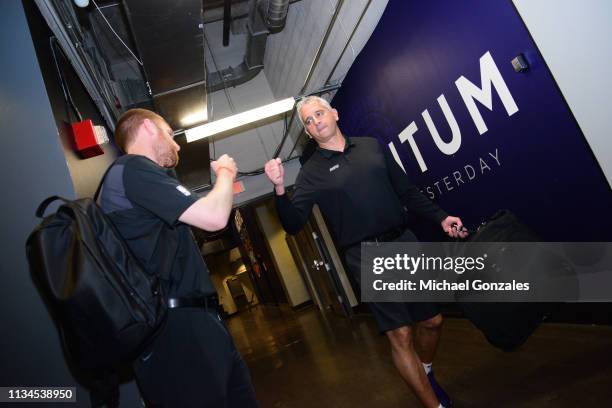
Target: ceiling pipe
{"x":227,"y":21}
{"x":259,"y":26}
{"x":239,"y":10}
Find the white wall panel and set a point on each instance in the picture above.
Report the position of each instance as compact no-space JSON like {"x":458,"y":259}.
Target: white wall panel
{"x":574,"y":39}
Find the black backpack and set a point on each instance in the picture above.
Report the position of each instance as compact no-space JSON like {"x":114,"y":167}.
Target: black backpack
{"x":106,"y":306}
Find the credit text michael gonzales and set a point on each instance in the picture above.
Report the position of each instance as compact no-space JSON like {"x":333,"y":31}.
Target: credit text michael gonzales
{"x":443,"y":285}
{"x":404,"y":263}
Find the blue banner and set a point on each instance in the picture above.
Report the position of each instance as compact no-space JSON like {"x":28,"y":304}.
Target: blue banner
{"x":435,"y":84}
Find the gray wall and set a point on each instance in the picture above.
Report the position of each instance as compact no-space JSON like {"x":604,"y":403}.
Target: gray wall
{"x":34,"y":167}
{"x":291,"y":279}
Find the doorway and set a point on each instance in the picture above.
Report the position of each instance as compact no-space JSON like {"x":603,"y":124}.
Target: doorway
{"x":312,"y":255}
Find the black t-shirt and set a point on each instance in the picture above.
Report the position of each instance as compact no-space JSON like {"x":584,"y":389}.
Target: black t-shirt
{"x":362,"y":192}
{"x":144,"y":202}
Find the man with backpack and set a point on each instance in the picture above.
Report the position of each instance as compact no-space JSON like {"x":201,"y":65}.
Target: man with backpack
{"x":192,"y":360}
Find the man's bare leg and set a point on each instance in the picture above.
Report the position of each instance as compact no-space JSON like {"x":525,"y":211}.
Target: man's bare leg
{"x":427,"y":338}
{"x":409,"y":365}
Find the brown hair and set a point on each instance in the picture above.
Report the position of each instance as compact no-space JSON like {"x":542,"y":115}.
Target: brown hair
{"x":128,"y":125}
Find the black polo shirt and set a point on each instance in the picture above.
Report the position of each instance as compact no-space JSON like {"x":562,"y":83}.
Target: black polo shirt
{"x":361,"y":192}
{"x":144,"y":202}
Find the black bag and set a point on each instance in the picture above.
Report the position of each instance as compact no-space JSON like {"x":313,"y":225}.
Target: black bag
{"x":505,"y":325}
{"x":106,"y":305}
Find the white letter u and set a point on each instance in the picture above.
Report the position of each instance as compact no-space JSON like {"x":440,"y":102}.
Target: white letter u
{"x":452,"y":146}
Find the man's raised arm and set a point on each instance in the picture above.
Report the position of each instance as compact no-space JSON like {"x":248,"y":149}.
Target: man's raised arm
{"x":212,"y":212}
{"x":294,"y":213}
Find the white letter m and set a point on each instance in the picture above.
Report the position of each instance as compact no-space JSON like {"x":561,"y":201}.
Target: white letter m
{"x":489,"y":74}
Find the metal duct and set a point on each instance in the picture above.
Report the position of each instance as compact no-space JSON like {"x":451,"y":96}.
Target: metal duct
{"x":169,"y":38}
{"x":239,"y":10}
{"x":259,"y":27}
{"x":276,"y":15}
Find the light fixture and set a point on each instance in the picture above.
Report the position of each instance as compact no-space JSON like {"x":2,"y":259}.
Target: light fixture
{"x":240,"y":119}
{"x":194,"y":117}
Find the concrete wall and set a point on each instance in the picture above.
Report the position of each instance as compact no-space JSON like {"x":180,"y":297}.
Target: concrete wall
{"x":574,"y":39}
{"x":290,"y":53}
{"x":292,"y":281}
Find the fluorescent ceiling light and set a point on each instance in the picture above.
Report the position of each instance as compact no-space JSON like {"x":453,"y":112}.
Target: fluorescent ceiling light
{"x":195,"y":117}
{"x":240,"y":119}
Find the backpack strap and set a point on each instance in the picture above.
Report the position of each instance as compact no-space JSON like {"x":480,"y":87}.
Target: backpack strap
{"x":40,"y":211}
{"x":99,"y":189}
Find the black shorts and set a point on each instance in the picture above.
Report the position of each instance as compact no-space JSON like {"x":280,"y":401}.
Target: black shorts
{"x":391,"y":315}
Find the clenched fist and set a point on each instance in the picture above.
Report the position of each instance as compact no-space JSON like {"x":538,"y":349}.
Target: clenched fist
{"x":276,"y":173}
{"x":224,"y":162}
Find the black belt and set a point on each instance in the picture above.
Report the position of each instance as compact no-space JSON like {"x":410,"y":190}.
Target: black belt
{"x":210,"y":302}
{"x":387,"y":236}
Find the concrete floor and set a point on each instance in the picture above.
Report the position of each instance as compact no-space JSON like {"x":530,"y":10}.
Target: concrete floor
{"x":304,"y":359}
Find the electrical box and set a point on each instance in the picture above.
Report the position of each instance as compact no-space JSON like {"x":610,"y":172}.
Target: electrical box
{"x":88,"y":138}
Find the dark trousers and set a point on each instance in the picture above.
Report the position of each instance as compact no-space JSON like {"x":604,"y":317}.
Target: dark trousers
{"x":193,"y":362}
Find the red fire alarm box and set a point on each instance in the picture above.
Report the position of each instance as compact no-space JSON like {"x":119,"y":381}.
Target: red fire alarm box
{"x":85,"y":138}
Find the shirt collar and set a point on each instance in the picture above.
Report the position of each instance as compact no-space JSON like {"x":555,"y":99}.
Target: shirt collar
{"x":328,"y":154}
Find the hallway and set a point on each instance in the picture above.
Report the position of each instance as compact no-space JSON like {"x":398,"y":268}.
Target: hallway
{"x":301,"y":359}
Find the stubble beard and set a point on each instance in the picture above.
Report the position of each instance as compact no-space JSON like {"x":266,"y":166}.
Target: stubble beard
{"x":166,"y":157}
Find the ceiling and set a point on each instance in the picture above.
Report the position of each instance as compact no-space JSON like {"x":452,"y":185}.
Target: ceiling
{"x":169,"y":45}
{"x":181,"y":66}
